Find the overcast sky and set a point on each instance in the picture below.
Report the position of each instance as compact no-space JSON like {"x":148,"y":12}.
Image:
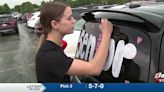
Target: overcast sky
{"x":12,"y":3}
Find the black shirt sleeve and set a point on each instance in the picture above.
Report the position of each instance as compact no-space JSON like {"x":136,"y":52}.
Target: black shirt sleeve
{"x":58,"y":63}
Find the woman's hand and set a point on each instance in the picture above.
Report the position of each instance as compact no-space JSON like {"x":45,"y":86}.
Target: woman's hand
{"x":95,"y":66}
{"x":106,"y":26}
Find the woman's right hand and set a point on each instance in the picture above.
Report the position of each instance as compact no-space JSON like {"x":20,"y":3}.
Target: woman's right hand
{"x":95,"y":65}
{"x":106,"y":26}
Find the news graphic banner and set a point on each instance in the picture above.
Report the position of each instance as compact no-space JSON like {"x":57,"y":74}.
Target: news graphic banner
{"x":22,"y":87}
{"x":84,"y":87}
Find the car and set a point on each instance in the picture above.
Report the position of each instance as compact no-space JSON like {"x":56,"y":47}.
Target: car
{"x":136,"y":46}
{"x":38,"y":29}
{"x":16,"y":15}
{"x":33,"y":19}
{"x":25,"y":17}
{"x":8,"y":24}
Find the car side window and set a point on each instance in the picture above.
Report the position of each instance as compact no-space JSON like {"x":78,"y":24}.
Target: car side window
{"x":134,"y":58}
{"x":79,"y":24}
{"x":142,"y":43}
{"x":161,"y":66}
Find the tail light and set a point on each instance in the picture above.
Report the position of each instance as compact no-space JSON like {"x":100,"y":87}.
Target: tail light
{"x":11,"y":22}
{"x":39,"y":28}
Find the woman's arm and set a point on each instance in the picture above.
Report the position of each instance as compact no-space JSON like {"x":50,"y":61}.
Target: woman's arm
{"x":94,"y":67}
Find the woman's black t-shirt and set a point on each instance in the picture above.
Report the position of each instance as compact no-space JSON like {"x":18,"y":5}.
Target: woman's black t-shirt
{"x":52,"y":64}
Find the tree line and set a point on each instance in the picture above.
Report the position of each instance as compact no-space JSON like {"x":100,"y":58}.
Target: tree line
{"x":23,"y":8}
{"x":29,"y":7}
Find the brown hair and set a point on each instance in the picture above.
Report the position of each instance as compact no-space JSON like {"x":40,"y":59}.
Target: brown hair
{"x":50,"y":11}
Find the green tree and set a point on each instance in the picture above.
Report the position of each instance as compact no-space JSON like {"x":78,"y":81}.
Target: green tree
{"x":96,"y":1}
{"x":42,"y":3}
{"x":58,"y":0}
{"x":17,"y":8}
{"x":35,"y":6}
{"x":75,"y":3}
{"x":117,"y":1}
{"x":6,"y":8}
{"x":1,"y":10}
{"x":26,"y":7}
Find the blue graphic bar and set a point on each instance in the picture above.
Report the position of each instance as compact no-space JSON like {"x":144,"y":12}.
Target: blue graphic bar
{"x":104,"y":87}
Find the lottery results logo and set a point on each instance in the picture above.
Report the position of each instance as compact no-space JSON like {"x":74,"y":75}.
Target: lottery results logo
{"x":159,"y":77}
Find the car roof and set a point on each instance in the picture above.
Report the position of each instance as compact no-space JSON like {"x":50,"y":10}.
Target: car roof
{"x":155,"y":8}
{"x":150,"y":17}
{"x":5,"y":15}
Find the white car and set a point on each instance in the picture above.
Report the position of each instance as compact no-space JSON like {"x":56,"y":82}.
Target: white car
{"x":33,"y":20}
{"x":72,"y":39}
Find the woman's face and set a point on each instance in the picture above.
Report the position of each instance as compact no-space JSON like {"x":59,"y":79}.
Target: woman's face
{"x":66,"y":24}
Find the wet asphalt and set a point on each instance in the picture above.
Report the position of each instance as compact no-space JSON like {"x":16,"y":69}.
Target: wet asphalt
{"x":17,"y":56}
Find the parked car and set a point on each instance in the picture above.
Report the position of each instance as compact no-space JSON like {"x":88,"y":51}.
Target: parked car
{"x":136,"y":47}
{"x":38,"y":29}
{"x":8,"y":24}
{"x":33,"y":20}
{"x":16,"y":15}
{"x":25,"y":17}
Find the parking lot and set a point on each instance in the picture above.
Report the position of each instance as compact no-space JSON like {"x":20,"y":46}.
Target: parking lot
{"x":17,"y":56}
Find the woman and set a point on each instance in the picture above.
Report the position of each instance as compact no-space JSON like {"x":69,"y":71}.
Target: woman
{"x":52,"y":65}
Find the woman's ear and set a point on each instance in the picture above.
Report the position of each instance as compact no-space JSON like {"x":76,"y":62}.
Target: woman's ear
{"x":54,"y":24}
